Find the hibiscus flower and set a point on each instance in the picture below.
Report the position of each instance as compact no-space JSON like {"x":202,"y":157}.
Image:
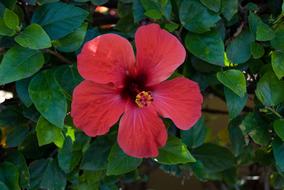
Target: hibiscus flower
{"x":118,"y":86}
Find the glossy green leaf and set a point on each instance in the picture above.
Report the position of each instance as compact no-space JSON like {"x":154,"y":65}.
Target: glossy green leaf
{"x":45,"y":174}
{"x":235,"y":103}
{"x":256,"y":128}
{"x":261,"y":30}
{"x":213,"y":5}
{"x":100,"y":149}
{"x":278,"y":152}
{"x":72,"y":41}
{"x":195,"y":136}
{"x":4,"y":30}
{"x":19,"y":63}
{"x":257,"y":50}
{"x":19,"y":160}
{"x":59,"y":19}
{"x":278,"y":126}
{"x":48,"y":98}
{"x":22,"y":91}
{"x":278,"y":41}
{"x":195,"y":17}
{"x":174,"y":152}
{"x":68,"y":78}
{"x":99,"y":2}
{"x":234,"y":80}
{"x":9,"y":175}
{"x":277,"y":61}
{"x":236,"y":136}
{"x":33,"y":37}
{"x":120,"y":163}
{"x":68,"y":156}
{"x":270,"y":90}
{"x":229,"y":8}
{"x":208,"y":47}
{"x":11,"y":19}
{"x":214,"y":157}
{"x":238,"y":50}
{"x":47,"y":133}
{"x":16,"y":135}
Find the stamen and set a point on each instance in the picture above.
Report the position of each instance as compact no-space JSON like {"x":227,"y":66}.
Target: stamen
{"x":144,"y":99}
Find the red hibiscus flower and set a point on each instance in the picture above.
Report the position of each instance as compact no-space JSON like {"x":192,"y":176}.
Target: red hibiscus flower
{"x":118,"y":85}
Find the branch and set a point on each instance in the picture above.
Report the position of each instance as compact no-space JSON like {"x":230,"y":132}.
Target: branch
{"x":59,"y":56}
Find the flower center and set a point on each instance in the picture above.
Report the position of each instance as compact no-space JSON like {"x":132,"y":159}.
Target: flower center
{"x":144,"y":99}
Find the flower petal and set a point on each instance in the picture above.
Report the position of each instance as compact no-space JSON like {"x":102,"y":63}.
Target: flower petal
{"x":105,"y":59}
{"x":96,"y":107}
{"x":141,"y":132}
{"x":180,"y":100}
{"x":159,"y":53}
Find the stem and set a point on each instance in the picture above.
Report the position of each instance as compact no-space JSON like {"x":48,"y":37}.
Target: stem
{"x":59,"y":56}
{"x":274,"y":112}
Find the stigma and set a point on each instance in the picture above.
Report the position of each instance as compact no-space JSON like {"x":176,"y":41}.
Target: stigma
{"x":144,"y":99}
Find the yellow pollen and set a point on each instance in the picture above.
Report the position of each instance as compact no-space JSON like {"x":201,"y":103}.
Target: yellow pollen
{"x":143,"y":99}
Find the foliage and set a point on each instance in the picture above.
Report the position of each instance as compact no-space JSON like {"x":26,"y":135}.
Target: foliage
{"x":235,"y":51}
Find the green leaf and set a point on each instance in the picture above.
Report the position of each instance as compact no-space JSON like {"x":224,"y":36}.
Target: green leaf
{"x":19,"y":63}
{"x":278,"y":42}
{"x":213,"y":5}
{"x":33,"y":37}
{"x":262,"y":31}
{"x":277,"y":61}
{"x":16,"y":135}
{"x":238,"y":50}
{"x":278,"y":126}
{"x":270,"y":90}
{"x":229,"y":8}
{"x":9,"y":175}
{"x":256,"y":128}
{"x":47,"y":133}
{"x":22,"y":91}
{"x":3,"y":186}
{"x":68,"y":78}
{"x":234,"y":80}
{"x":195,"y":17}
{"x":174,"y":152}
{"x":120,"y":163}
{"x":208,"y":47}
{"x":99,"y":2}
{"x":278,"y":152}
{"x":48,"y":98}
{"x":9,"y":3}
{"x":11,"y":19}
{"x":18,"y":159}
{"x":236,"y":137}
{"x":99,"y":149}
{"x":137,"y":11}
{"x":214,"y":158}
{"x":68,"y":156}
{"x":72,"y":41}
{"x":59,"y":19}
{"x":153,"y":13}
{"x":257,"y":50}
{"x":45,"y":174}
{"x":4,"y":30}
{"x":195,"y":136}
{"x":235,"y":103}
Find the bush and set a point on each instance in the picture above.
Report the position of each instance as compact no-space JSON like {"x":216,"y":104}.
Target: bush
{"x":235,"y":51}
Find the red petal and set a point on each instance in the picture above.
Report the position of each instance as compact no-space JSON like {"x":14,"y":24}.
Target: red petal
{"x":159,"y":53}
{"x":180,"y":100}
{"x":141,"y":132}
{"x":105,"y":59}
{"x":96,"y":107}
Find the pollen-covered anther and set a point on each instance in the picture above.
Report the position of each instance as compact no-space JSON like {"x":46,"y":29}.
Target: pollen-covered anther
{"x":144,"y":99}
